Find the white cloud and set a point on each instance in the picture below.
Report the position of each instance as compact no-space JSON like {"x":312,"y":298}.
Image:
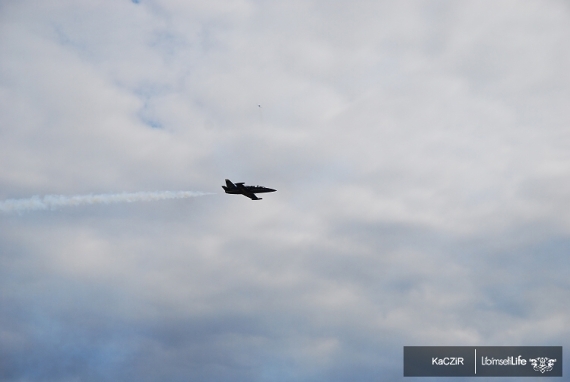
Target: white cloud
{"x":418,"y":150}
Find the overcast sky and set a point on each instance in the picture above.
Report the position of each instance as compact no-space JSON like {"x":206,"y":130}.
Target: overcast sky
{"x":421,"y":156}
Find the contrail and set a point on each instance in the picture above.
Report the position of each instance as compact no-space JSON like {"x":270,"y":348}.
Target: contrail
{"x":52,"y":202}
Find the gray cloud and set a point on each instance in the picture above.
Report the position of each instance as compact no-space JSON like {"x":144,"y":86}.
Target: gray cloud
{"x":418,"y":150}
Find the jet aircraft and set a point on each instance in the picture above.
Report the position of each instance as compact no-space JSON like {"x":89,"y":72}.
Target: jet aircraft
{"x":249,"y":191}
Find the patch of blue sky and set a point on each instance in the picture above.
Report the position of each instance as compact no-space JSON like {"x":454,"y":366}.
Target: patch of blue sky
{"x":153,"y":123}
{"x":147,"y":114}
{"x":64,"y":39}
{"x":169,"y":44}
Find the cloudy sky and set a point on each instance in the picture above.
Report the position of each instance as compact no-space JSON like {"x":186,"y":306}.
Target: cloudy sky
{"x":420,"y":149}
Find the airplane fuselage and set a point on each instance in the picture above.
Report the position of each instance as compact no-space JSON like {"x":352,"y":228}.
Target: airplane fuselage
{"x":249,"y":191}
{"x":252,"y":189}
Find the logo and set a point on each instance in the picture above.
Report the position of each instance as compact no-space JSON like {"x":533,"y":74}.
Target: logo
{"x":542,"y":364}
{"x":483,"y":361}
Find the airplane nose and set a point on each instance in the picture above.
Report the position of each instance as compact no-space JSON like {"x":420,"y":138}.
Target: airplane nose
{"x":271,"y":190}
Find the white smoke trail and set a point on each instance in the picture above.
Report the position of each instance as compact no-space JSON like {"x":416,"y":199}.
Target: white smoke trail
{"x":51,"y":202}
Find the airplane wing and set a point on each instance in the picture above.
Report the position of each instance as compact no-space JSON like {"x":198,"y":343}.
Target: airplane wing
{"x":251,"y":196}
{"x":244,"y":191}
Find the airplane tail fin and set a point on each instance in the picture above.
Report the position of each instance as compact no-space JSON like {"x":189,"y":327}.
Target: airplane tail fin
{"x":229,"y":184}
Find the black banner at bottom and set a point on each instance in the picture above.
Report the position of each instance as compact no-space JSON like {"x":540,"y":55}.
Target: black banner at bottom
{"x":482,"y":361}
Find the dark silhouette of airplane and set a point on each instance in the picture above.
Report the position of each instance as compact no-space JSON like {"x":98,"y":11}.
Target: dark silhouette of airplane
{"x":249,"y":191}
